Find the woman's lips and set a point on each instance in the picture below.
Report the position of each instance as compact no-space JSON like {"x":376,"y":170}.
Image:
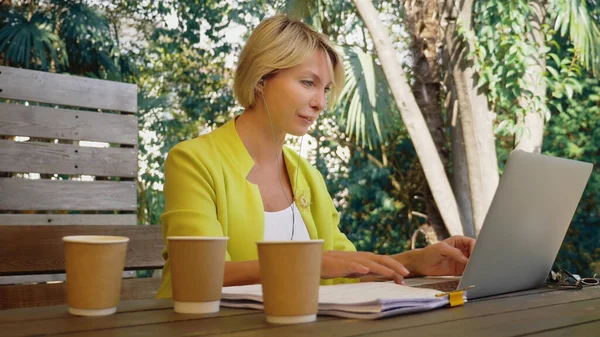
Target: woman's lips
{"x":307,"y":120}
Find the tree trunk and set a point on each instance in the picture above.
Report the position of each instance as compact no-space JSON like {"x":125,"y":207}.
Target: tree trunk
{"x":533,"y":121}
{"x":423,"y":22}
{"x":474,"y":115}
{"x":460,"y":174}
{"x":412,"y":118}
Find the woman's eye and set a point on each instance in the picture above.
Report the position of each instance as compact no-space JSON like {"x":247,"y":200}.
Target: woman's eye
{"x":307,"y":83}
{"x":327,"y":90}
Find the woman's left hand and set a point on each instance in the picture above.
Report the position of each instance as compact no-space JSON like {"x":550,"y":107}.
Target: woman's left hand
{"x":448,"y":257}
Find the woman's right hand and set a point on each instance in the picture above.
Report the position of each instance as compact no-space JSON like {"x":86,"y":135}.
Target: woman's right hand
{"x":357,"y":264}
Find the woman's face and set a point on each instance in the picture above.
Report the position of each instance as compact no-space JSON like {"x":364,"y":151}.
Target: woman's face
{"x":296,"y":96}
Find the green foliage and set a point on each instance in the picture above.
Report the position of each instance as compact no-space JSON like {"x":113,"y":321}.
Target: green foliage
{"x":504,"y":41}
{"x":366,"y":106}
{"x":565,"y":74}
{"x":580,"y":20}
{"x":28,"y":40}
{"x":366,"y":101}
{"x":500,"y":47}
{"x":186,"y":89}
{"x":376,"y":216}
{"x":574,"y":132}
{"x":63,"y":37}
{"x":88,"y":40}
{"x":183,"y":69}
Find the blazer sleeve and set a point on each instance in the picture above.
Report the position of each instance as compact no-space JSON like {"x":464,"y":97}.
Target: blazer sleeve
{"x":190,"y":199}
{"x":340,"y":241}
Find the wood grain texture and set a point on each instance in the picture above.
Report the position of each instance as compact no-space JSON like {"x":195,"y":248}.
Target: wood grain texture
{"x":580,"y":330}
{"x":39,"y":249}
{"x":44,"y":194}
{"x":43,"y":278}
{"x":448,"y":320}
{"x":521,"y":314}
{"x":44,"y":87}
{"x":48,"y":312}
{"x":515,"y":323}
{"x":27,"y":157}
{"x":68,"y":219}
{"x":45,"y":122}
{"x":129,"y":320}
{"x":168,"y":323}
{"x":37,"y":295}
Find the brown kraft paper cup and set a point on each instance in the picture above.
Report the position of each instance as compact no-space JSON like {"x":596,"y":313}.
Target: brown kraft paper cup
{"x":197,"y":271}
{"x":290,"y":272}
{"x":94,"y":266}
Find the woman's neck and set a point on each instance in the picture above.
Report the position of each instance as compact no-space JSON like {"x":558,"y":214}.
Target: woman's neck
{"x":254,"y":128}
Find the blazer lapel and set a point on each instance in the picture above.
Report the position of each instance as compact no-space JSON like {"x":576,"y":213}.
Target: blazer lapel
{"x":301,"y":190}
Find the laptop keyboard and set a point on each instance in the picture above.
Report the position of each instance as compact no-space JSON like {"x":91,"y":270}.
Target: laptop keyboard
{"x":444,"y":286}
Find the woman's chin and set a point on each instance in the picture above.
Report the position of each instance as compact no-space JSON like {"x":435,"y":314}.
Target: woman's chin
{"x":298,"y":131}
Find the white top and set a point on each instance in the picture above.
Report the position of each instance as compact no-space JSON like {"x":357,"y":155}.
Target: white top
{"x":278,"y":225}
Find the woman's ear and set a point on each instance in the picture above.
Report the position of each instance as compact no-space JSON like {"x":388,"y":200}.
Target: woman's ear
{"x":260,"y":86}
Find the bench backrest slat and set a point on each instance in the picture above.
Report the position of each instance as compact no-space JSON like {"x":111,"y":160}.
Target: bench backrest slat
{"x":44,"y":87}
{"x":39,"y":249}
{"x":68,"y":166}
{"x":55,"y":123}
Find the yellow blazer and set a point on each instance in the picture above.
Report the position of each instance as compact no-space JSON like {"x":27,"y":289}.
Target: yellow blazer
{"x":207,"y":194}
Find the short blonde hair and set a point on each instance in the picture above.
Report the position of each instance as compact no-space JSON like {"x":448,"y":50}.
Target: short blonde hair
{"x":280,"y":43}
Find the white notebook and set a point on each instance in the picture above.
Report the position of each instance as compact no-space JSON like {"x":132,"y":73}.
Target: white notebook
{"x":367,"y":300}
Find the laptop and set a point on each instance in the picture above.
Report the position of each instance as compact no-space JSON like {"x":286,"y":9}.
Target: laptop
{"x":525,"y":224}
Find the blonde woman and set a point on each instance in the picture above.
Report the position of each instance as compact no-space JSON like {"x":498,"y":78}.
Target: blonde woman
{"x":240,"y":180}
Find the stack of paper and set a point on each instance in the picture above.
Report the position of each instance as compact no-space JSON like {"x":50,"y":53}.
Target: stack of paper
{"x":368,"y":300}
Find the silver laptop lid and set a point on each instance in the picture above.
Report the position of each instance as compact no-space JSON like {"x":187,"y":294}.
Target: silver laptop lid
{"x":526,"y":223}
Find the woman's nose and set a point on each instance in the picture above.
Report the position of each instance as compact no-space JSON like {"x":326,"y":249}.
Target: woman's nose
{"x":319,"y":102}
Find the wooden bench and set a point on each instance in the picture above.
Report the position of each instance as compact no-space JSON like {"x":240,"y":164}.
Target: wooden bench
{"x":53,"y":183}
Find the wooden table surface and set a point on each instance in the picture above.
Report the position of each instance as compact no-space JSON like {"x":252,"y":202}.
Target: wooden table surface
{"x":538,"y":312}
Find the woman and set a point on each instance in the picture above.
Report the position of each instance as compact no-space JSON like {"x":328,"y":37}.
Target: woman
{"x":240,"y":181}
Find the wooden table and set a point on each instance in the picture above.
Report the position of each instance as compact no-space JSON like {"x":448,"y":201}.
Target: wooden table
{"x":538,"y":312}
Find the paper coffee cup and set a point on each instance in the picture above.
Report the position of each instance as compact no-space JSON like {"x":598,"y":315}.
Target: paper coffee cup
{"x":197,"y":271}
{"x":290,"y":272}
{"x":94,"y":267}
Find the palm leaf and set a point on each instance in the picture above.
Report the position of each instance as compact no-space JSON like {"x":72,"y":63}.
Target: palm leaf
{"x":29,"y":43}
{"x":87,"y":38}
{"x":311,"y":11}
{"x":365,"y":102}
{"x":576,"y":18}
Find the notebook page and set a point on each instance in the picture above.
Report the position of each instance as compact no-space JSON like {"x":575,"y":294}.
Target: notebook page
{"x":380,"y":314}
{"x":369,"y":300}
{"x":347,"y":294}
{"x":374,"y":292}
{"x":249,"y":292}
